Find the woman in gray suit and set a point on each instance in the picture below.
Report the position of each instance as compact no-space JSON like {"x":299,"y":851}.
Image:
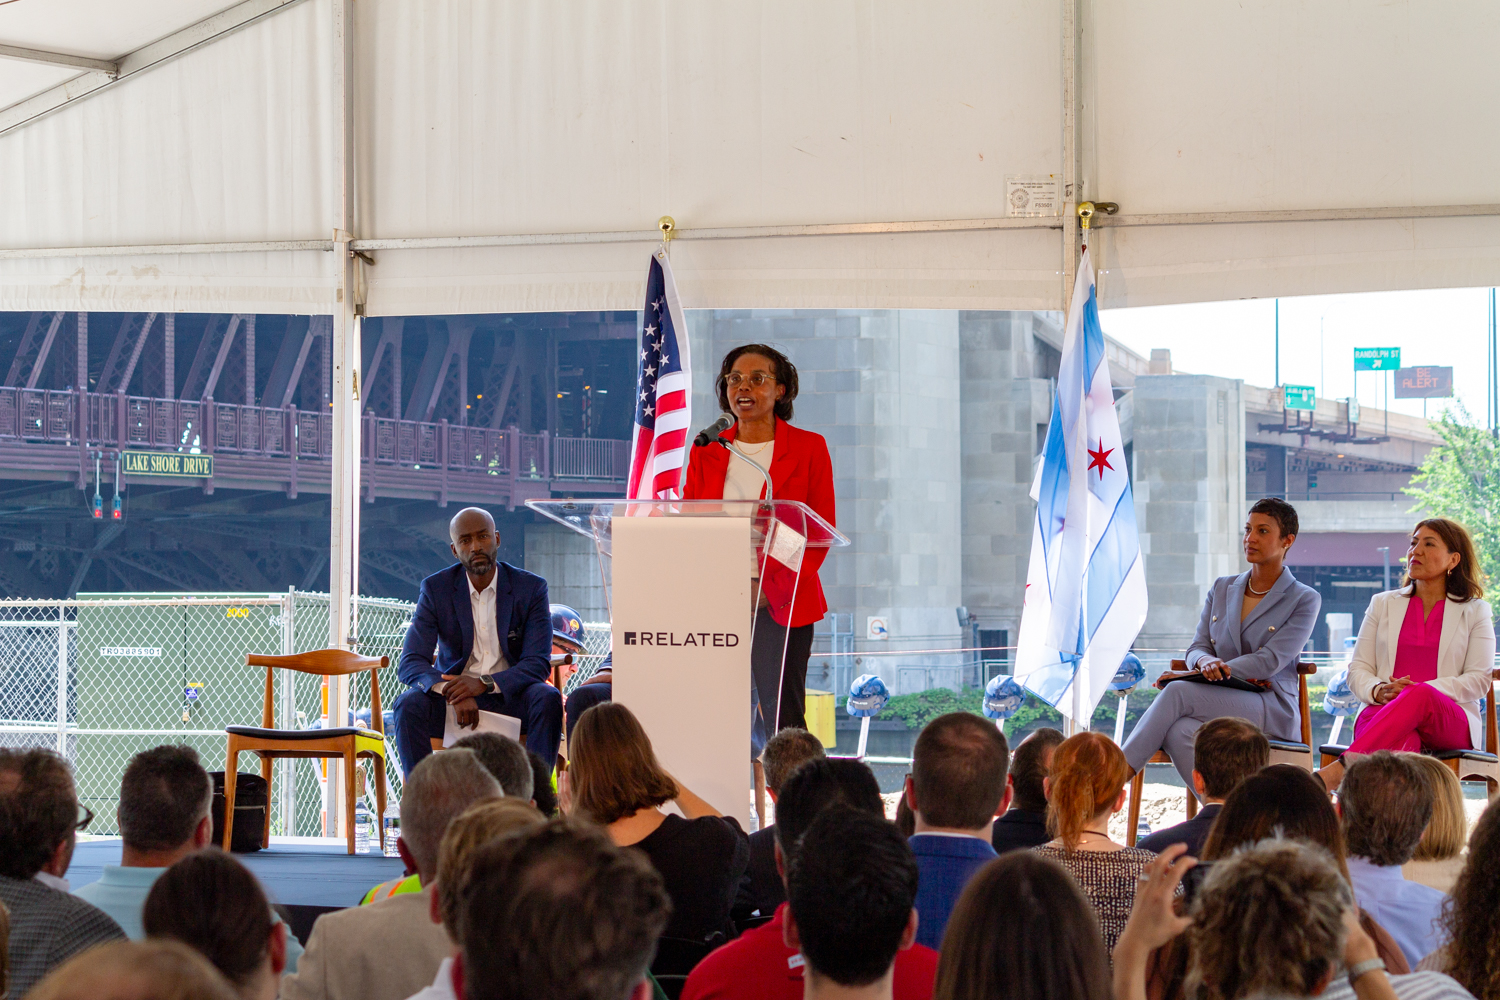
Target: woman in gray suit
{"x":1242,"y":662}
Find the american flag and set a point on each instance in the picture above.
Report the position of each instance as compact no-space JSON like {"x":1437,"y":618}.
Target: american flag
{"x":663,"y":396}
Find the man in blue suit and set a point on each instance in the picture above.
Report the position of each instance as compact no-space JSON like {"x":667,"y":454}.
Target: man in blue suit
{"x":491,"y":627}
{"x":956,"y":787}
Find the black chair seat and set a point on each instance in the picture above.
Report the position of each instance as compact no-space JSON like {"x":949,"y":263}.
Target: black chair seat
{"x":1333,"y":750}
{"x":1289,"y":746}
{"x":300,"y":734}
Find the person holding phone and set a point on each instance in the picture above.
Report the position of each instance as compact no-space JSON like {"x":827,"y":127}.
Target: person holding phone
{"x":1243,"y":659}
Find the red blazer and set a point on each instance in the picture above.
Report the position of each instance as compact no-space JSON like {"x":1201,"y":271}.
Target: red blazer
{"x":800,"y":470}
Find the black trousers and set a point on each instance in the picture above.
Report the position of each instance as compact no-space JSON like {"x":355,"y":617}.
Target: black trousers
{"x":770,"y":678}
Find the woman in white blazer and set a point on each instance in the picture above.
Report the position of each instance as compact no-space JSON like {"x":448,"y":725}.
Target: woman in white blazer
{"x":1423,"y":660}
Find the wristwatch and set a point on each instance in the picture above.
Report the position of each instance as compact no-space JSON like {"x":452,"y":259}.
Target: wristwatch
{"x":1368,"y":965}
{"x":488,"y":682}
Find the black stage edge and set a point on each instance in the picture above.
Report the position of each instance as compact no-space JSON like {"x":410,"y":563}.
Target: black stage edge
{"x":304,"y":881}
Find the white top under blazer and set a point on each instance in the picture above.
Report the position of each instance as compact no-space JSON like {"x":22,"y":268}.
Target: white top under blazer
{"x":1466,"y":653}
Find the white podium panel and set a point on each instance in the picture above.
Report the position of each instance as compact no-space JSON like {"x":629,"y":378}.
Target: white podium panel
{"x":681,"y":609}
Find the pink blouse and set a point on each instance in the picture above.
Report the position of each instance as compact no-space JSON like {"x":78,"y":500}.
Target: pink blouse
{"x":1417,"y":646}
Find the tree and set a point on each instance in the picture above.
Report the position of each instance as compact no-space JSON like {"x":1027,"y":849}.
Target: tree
{"x":1460,"y":479}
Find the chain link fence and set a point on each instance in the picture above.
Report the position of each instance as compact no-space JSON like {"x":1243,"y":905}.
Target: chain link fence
{"x":101,"y":678}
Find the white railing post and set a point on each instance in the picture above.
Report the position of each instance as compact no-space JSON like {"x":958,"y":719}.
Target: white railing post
{"x":62,"y":679}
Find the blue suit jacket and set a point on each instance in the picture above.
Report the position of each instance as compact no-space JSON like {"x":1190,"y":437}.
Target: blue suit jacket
{"x":944,"y":867}
{"x":444,"y":620}
{"x":1265,"y":646}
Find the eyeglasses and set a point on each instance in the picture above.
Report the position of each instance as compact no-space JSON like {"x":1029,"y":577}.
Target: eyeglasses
{"x":86,"y":817}
{"x":755,"y":379}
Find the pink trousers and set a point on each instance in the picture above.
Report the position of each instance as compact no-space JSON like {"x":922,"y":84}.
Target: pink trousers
{"x":1420,"y":717}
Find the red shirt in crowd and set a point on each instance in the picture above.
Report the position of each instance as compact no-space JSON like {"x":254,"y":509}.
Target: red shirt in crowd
{"x":758,"y":964}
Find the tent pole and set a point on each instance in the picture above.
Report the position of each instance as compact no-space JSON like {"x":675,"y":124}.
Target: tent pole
{"x":1070,"y":164}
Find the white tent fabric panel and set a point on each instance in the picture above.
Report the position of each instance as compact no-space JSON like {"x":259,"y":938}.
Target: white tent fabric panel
{"x":601,"y":115}
{"x":228,"y":143}
{"x":967,"y":270}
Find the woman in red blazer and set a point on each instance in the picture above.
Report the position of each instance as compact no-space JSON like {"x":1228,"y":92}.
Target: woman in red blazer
{"x":756,"y":386}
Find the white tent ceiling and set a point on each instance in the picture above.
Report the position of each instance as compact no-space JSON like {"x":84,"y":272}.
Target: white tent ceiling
{"x":852,"y":153}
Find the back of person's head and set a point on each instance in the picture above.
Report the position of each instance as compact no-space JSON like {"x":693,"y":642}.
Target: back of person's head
{"x":559,"y":911}
{"x":1471,"y":920}
{"x":614,"y":772}
{"x":211,"y":903}
{"x":1268,"y":921}
{"x":1022,"y":929}
{"x":815,"y":786}
{"x":542,"y":791}
{"x":135,"y":970}
{"x":38,"y":809}
{"x":851,"y":884}
{"x":438,"y":789}
{"x":1226,"y":751}
{"x":1385,"y":804}
{"x":958,"y":771}
{"x":1449,"y":827}
{"x":164,"y":794}
{"x":480,"y":823}
{"x":1281,"y":800}
{"x":505,"y":759}
{"x":1087,"y":775}
{"x":784,"y":752}
{"x":1028,"y":768}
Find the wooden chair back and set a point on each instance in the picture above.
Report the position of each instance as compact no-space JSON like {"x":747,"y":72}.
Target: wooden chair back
{"x":325,"y":663}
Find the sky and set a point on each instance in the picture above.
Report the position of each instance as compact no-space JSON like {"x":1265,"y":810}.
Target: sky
{"x":1318,"y":337}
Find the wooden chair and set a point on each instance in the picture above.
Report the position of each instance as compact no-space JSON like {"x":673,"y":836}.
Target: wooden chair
{"x":344,"y":742}
{"x":1468,"y":765}
{"x":1282,"y":752}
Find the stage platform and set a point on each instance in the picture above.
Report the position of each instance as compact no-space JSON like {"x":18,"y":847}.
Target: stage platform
{"x":303,"y":879}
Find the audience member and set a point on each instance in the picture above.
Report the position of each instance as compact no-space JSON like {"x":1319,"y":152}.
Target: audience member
{"x":543,"y":785}
{"x":4,"y":950}
{"x":38,"y":826}
{"x":851,"y":885}
{"x":905,"y":821}
{"x":1025,"y":822}
{"x":1384,"y":804}
{"x":759,"y":964}
{"x":559,"y":911}
{"x":135,"y":970}
{"x":211,"y":903}
{"x":1085,"y":788}
{"x":1439,"y":854}
{"x":616,"y":781}
{"x":1226,"y":751}
{"x":503,"y":757}
{"x":163,"y":815}
{"x":956,"y":788}
{"x":1023,"y":930}
{"x":1471,"y":920}
{"x":391,"y":949}
{"x":481,"y":823}
{"x":762,"y":891}
{"x":1274,"y":920}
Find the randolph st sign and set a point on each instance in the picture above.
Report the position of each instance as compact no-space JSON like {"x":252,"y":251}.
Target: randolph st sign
{"x":168,"y":463}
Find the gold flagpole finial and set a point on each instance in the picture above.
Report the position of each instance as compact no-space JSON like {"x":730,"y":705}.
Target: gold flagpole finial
{"x":668,"y":227}
{"x":1085,"y":213}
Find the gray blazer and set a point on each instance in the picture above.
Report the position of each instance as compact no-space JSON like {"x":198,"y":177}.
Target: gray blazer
{"x":1265,"y":646}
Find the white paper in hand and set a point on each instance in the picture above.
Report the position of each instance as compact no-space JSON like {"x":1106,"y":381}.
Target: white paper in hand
{"x":489,"y":722}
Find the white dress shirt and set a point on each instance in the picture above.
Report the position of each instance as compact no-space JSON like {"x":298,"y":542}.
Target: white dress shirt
{"x":1407,"y":910}
{"x":442,"y":986}
{"x":485,"y":658}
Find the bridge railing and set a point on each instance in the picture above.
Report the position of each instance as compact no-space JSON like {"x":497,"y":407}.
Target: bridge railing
{"x":208,"y":427}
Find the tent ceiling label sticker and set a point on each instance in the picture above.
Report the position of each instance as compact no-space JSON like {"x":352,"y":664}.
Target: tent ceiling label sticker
{"x":1032,"y":196}
{"x":1377,"y":359}
{"x":168,"y":463}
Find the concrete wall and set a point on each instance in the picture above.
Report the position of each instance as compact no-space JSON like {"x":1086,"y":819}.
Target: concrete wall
{"x":566,"y":560}
{"x":1190,"y":495}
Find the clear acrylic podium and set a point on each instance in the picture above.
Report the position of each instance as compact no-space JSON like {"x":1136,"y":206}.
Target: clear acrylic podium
{"x":686,"y":581}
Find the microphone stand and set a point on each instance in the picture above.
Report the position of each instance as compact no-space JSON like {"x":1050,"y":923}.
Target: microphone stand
{"x":729,"y":446}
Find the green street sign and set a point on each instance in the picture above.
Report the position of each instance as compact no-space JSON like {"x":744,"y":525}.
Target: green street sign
{"x":1377,"y":359}
{"x":168,"y":463}
{"x":1299,"y":397}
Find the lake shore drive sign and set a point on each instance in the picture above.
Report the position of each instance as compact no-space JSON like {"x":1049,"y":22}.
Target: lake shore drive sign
{"x":168,"y":463}
{"x":1299,"y":397}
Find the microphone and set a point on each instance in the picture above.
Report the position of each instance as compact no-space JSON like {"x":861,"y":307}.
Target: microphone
{"x":711,"y":433}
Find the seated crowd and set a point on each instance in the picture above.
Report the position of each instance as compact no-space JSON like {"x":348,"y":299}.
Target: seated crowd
{"x":1008,"y":884}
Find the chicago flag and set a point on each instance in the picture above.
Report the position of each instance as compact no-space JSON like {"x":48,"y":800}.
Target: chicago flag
{"x":1085,"y":585}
